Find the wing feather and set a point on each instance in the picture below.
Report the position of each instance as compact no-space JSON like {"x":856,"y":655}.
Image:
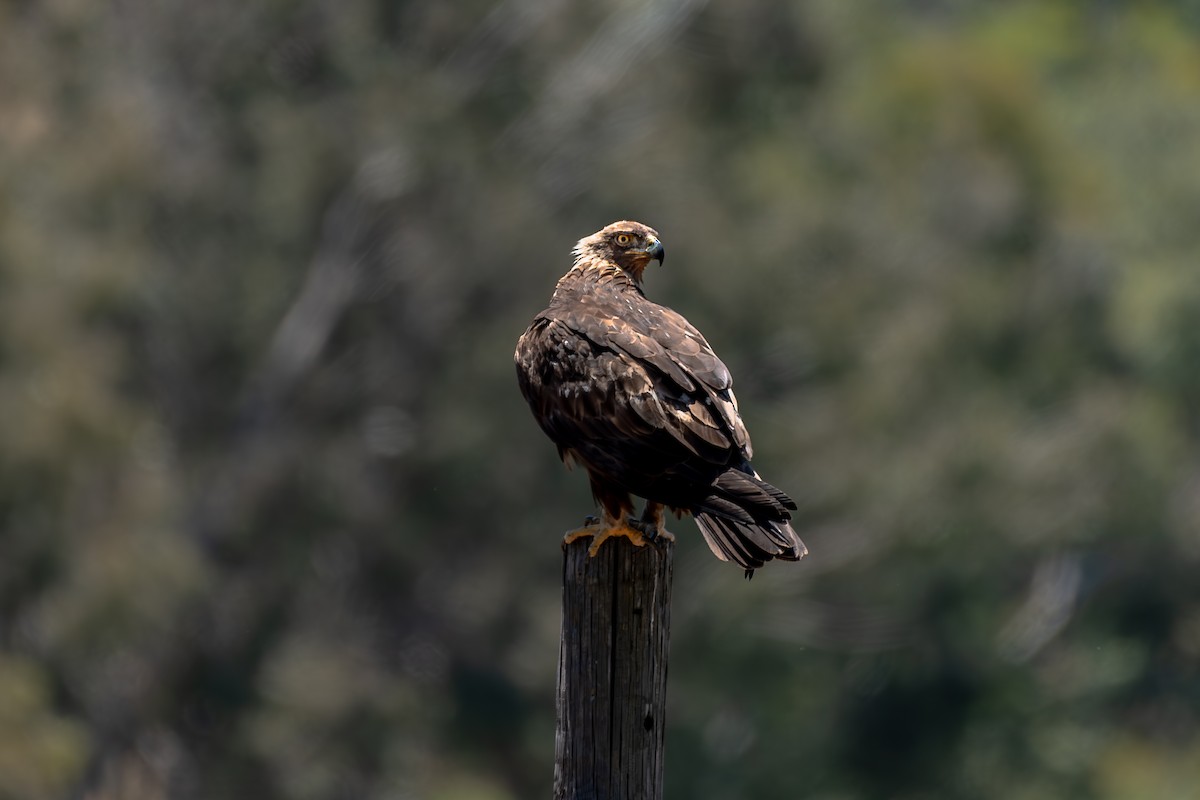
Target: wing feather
{"x":696,"y":394}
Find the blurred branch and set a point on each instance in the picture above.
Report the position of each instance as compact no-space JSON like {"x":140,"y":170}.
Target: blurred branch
{"x":508,"y":25}
{"x":329,"y":288}
{"x":620,"y":45}
{"x":1053,"y":592}
{"x":548,"y":132}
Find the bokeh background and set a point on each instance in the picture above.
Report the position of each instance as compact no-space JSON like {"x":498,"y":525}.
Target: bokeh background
{"x":275,"y":522}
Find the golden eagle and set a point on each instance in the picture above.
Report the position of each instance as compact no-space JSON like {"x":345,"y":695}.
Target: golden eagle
{"x":630,"y":390}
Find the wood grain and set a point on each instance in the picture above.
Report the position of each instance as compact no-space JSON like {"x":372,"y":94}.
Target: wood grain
{"x":612,"y":671}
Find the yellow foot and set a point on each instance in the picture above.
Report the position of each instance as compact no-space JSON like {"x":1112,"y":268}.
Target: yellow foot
{"x":590,"y":526}
{"x":633,"y":529}
{"x":606,"y":533}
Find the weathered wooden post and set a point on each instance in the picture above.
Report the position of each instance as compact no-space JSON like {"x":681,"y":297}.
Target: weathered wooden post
{"x":612,"y":671}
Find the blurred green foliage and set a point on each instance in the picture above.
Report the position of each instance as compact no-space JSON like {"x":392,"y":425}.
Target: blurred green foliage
{"x":274,"y":522}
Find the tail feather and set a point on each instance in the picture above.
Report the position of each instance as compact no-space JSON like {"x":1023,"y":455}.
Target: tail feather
{"x":783,"y":537}
{"x":720,"y":507}
{"x":727,"y":544}
{"x":778,"y":494}
{"x":745,"y":520}
{"x":751,"y":492}
{"x":750,"y":545}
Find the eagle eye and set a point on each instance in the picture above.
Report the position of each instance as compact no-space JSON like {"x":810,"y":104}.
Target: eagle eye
{"x":624,"y":239}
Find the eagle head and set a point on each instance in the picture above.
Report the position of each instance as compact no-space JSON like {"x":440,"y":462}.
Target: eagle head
{"x":629,"y":245}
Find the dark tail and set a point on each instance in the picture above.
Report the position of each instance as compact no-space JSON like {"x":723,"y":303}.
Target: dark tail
{"x":746,"y":520}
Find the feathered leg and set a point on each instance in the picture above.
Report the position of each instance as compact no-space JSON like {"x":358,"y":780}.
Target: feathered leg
{"x":616,"y":520}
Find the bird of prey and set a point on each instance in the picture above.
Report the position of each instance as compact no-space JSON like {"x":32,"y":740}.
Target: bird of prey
{"x":630,"y":390}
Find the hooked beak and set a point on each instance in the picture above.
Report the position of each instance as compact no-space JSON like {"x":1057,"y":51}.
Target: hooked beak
{"x":657,"y":252}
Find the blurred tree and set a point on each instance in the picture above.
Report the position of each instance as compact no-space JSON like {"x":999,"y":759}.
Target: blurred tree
{"x":274,"y":521}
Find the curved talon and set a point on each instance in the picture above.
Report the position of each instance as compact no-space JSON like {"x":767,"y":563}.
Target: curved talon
{"x":600,"y":529}
{"x":652,"y":530}
{"x":628,"y":531}
{"x":578,"y":533}
{"x":645,"y":527}
{"x":638,"y":531}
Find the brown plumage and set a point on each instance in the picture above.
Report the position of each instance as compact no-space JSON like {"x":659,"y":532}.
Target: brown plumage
{"x":630,"y":390}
